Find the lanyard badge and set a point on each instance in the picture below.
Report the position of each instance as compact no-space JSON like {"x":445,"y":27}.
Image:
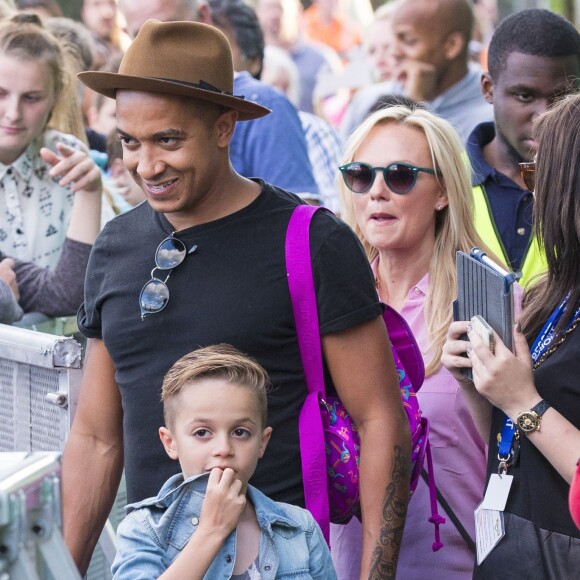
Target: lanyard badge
{"x":489,"y":520}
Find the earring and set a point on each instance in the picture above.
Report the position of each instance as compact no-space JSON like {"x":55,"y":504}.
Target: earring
{"x":438,"y":208}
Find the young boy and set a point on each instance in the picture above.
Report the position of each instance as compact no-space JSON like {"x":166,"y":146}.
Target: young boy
{"x":208,"y":522}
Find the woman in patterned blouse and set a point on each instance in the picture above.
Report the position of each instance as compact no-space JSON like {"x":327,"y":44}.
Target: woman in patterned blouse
{"x":44,"y":174}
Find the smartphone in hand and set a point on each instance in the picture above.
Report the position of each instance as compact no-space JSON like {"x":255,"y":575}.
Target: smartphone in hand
{"x":484,"y":330}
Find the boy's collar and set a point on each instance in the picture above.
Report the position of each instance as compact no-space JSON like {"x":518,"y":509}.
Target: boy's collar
{"x":166,"y":494}
{"x":267,"y":511}
{"x":174,"y":484}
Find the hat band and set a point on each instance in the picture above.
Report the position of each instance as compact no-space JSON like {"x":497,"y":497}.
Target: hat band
{"x":201,"y":85}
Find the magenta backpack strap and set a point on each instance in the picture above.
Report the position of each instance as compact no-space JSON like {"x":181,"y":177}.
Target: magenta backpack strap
{"x":404,"y":343}
{"x":303,"y":296}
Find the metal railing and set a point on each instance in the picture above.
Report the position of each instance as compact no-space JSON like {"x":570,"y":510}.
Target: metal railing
{"x":39,"y":385}
{"x":40,"y":376}
{"x":31,"y":543}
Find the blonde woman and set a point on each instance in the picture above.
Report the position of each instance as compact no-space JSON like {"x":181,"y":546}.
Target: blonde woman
{"x":38,"y":194}
{"x":406,"y":192}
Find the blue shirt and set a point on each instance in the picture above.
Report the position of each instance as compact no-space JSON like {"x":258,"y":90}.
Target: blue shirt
{"x":158,"y":528}
{"x":273,"y":147}
{"x":511,"y":206}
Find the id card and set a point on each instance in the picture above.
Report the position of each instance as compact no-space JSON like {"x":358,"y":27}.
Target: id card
{"x":489,"y":524}
{"x":489,"y":530}
{"x":497,"y":492}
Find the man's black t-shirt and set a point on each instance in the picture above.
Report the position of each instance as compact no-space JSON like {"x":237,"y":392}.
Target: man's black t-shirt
{"x":232,"y":289}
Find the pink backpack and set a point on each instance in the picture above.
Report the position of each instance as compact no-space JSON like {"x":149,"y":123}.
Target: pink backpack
{"x":329,"y":443}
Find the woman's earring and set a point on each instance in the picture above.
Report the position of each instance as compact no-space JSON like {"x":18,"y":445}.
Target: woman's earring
{"x":438,"y":208}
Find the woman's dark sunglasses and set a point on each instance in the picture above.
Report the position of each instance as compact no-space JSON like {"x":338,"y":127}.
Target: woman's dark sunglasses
{"x":400,"y":177}
{"x":155,"y":294}
{"x":528,"y":173}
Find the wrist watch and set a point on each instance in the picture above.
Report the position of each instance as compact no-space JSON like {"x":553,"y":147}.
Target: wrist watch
{"x":529,"y":421}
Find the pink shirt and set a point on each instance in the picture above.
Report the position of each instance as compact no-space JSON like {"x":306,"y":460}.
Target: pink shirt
{"x":459,"y":457}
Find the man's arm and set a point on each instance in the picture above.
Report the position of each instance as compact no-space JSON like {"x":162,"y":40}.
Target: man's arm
{"x":363,"y":372}
{"x":93,"y":456}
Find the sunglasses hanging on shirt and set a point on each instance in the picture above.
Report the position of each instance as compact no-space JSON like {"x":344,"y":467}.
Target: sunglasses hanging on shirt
{"x":154,"y":295}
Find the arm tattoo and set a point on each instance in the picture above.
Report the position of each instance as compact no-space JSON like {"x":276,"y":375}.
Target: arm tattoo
{"x":386,"y":552}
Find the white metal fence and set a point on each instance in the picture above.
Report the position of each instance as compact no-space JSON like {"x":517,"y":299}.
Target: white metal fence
{"x":39,"y":384}
{"x":40,"y":377}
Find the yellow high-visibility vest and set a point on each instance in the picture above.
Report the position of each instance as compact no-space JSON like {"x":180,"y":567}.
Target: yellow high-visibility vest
{"x":534,"y":261}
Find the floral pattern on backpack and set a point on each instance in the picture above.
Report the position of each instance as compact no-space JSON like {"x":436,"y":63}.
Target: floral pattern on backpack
{"x":342,"y":446}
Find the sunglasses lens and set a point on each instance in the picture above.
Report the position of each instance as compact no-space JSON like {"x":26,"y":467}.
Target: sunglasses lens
{"x":170,"y":253}
{"x":399,"y":178}
{"x":529,"y":179}
{"x":528,"y":173}
{"x":358,"y":177}
{"x":154,"y":296}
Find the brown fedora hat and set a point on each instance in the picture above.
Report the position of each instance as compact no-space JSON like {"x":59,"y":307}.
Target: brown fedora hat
{"x":177,"y":58}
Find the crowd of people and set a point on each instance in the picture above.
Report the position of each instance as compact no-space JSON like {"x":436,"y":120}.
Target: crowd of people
{"x":151,"y":156}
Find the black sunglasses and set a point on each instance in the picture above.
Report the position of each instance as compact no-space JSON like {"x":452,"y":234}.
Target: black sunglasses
{"x":400,"y":177}
{"x":154,"y":295}
{"x":528,"y":173}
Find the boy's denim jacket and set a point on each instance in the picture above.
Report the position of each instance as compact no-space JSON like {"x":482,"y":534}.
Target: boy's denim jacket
{"x":157,"y":529}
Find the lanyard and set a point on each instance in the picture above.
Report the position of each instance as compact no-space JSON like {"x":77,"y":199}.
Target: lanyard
{"x":547,"y":334}
{"x":507,"y":451}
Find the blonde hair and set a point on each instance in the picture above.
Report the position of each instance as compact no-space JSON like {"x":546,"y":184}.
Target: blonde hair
{"x":218,"y":362}
{"x":454,"y":225}
{"x":78,"y":52}
{"x":25,"y":37}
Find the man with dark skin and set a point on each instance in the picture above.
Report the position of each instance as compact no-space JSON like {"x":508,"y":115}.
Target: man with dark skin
{"x":176,"y":116}
{"x":534,"y":58}
{"x":430,"y":41}
{"x":430,"y":50}
{"x":251,"y":147}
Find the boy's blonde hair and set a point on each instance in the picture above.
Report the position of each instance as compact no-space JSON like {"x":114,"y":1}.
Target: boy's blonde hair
{"x":220,"y":362}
